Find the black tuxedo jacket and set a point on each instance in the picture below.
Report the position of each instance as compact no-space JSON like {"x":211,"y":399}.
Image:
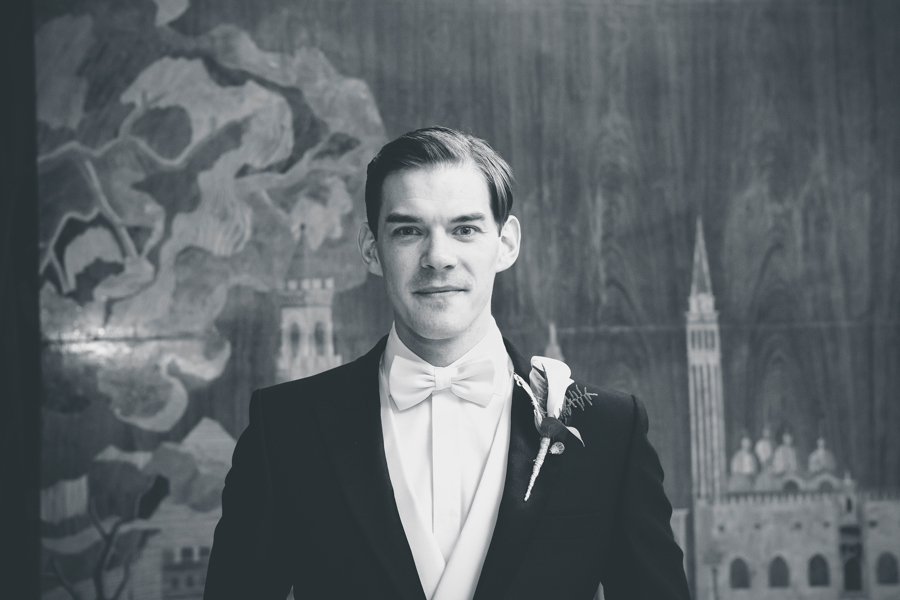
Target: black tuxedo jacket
{"x":308,"y":503}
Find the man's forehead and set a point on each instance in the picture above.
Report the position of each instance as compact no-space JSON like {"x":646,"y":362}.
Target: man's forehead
{"x":448,"y":191}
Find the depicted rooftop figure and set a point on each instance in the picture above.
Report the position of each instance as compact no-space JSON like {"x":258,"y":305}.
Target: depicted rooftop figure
{"x":821,"y":460}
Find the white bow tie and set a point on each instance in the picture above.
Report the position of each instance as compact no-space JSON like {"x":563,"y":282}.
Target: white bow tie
{"x":413,"y":381}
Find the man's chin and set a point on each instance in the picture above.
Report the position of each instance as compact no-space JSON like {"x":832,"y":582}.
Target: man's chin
{"x":439,"y":333}
{"x":441,"y":327}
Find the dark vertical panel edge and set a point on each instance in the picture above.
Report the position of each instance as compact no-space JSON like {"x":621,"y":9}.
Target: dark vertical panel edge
{"x":20,"y":364}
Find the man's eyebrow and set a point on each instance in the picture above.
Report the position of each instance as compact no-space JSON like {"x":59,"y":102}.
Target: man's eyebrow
{"x":469,"y":218}
{"x":401,"y":218}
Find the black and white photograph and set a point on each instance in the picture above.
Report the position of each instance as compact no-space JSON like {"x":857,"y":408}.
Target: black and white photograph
{"x":450,"y":300}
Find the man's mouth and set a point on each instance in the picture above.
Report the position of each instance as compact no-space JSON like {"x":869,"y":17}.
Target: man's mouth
{"x":438,"y":289}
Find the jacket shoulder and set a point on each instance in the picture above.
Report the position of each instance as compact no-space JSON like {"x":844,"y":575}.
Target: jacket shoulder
{"x":609,"y":406}
{"x":614,"y":416}
{"x":303,"y":388}
{"x":340,"y":382}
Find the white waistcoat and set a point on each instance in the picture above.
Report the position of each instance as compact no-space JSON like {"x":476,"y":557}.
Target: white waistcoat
{"x":457,"y":577}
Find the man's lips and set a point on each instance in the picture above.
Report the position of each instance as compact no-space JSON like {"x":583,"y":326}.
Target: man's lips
{"x":439,"y":289}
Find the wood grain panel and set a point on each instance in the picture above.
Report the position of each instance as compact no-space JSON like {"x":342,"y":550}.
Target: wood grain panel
{"x":778,"y":123}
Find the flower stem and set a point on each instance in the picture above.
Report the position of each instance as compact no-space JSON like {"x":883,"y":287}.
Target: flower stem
{"x":542,"y":454}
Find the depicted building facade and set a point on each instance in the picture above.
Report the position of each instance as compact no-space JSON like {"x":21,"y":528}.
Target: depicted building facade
{"x":772,"y":526}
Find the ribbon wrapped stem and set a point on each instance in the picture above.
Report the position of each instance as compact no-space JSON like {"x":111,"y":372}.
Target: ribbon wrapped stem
{"x":542,"y":454}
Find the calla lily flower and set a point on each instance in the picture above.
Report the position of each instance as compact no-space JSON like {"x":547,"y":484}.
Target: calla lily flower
{"x":550,"y":379}
{"x":557,"y":374}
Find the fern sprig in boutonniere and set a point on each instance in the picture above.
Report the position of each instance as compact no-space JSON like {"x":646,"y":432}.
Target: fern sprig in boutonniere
{"x":553,"y":403}
{"x":577,"y":397}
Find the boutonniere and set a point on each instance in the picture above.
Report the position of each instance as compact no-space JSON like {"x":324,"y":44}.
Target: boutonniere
{"x":548,"y":388}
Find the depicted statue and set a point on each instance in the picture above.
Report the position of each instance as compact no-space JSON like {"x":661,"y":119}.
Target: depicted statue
{"x":821,"y":459}
{"x":744,"y":461}
{"x":784,"y":461}
{"x":743,"y":467}
{"x":765,"y":448}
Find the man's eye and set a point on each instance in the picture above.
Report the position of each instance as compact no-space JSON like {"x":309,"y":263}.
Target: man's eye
{"x":466,"y":230}
{"x":405,"y":231}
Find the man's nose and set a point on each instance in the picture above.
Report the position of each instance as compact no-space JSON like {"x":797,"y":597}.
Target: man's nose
{"x":438,"y":252}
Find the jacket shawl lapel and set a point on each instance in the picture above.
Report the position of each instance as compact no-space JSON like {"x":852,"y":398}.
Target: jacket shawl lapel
{"x":517,"y":519}
{"x":357,"y":450}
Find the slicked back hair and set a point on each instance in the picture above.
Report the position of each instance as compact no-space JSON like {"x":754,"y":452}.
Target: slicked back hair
{"x":434,"y":147}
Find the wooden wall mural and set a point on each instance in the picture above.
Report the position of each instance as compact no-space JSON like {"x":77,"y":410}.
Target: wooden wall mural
{"x":201,"y":167}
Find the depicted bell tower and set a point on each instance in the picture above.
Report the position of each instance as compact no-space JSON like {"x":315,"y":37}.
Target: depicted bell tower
{"x":307,"y":329}
{"x":705,"y":382}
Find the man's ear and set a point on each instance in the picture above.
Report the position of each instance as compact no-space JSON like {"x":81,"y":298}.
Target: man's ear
{"x":510,"y":239}
{"x":369,"y":250}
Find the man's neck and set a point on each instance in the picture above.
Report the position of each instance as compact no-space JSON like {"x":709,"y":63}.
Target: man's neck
{"x":440,"y":353}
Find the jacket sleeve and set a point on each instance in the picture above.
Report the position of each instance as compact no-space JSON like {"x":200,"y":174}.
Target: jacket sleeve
{"x":647,"y":563}
{"x":248,"y":561}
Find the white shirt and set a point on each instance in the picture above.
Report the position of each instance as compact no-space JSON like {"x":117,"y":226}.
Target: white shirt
{"x":465,"y":450}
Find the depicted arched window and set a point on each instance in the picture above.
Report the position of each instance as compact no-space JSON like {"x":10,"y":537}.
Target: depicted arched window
{"x":189,"y":581}
{"x":791,"y":486}
{"x":818,"y":572}
{"x":852,"y":575}
{"x":739,"y":575}
{"x":779,"y":573}
{"x":187,"y":554}
{"x":294,"y":339}
{"x":886,"y":571}
{"x":319,"y":336}
{"x":826,"y":486}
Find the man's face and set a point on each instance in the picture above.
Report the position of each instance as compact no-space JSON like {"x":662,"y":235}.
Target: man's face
{"x":439,"y":249}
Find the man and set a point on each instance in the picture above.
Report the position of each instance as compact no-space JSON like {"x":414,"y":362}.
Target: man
{"x":403,"y":474}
